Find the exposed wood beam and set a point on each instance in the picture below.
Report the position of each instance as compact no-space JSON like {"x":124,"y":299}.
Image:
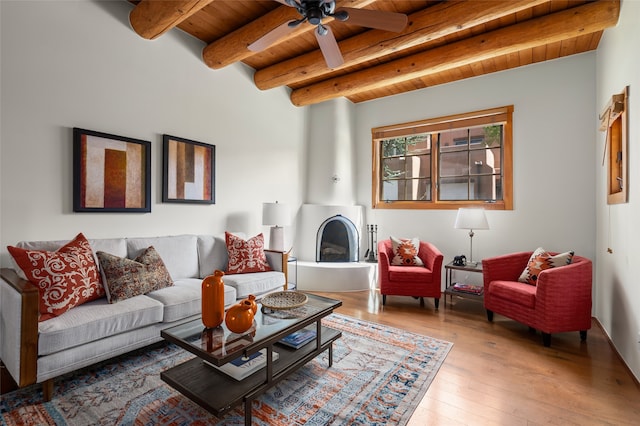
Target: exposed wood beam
{"x":233,"y":47}
{"x":152,"y":18}
{"x":586,"y":19}
{"x":428,"y":24}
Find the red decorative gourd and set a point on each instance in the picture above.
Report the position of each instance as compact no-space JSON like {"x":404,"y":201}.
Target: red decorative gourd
{"x":213,"y":300}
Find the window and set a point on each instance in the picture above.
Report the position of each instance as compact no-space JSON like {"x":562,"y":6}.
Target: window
{"x":445,"y":163}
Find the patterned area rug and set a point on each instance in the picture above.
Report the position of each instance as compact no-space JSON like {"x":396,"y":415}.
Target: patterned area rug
{"x":379,"y":376}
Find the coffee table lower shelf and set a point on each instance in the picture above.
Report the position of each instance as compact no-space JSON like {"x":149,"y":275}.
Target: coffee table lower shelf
{"x":218,"y":393}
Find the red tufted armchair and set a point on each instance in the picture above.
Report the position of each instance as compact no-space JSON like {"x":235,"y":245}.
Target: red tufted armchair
{"x":560,"y":302}
{"x":417,"y":281}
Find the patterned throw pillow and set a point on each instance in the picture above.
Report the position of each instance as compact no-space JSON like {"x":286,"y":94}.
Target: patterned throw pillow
{"x":125,"y":278}
{"x":541,"y":260}
{"x":246,"y":256}
{"x":65,"y":278}
{"x":405,"y":252}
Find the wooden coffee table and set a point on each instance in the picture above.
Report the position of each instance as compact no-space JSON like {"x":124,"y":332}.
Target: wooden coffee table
{"x":218,"y":392}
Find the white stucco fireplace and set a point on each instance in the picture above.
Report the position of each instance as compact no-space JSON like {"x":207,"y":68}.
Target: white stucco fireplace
{"x":332,"y":276}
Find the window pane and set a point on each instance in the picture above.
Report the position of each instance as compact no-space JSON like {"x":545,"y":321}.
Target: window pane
{"x":393,"y":147}
{"x":454,"y":163}
{"x":455,"y":138}
{"x":407,"y":190}
{"x":393,"y":168}
{"x":419,"y":144}
{"x":452,"y":189}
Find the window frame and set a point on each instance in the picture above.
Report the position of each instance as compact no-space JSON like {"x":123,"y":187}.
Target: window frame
{"x":503,"y":115}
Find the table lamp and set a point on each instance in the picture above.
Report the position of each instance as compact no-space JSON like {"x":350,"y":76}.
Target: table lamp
{"x":471,"y":219}
{"x":276,"y":215}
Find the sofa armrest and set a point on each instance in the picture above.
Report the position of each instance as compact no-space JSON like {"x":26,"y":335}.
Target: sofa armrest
{"x":19,"y":324}
{"x":432,"y":259}
{"x":383,"y":258}
{"x":279,"y":262}
{"x":566,"y":289}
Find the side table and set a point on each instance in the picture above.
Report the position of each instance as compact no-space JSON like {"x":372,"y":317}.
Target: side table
{"x":450,"y":291}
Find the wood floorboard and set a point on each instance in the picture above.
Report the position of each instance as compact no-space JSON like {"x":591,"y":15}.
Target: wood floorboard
{"x":499,"y":373}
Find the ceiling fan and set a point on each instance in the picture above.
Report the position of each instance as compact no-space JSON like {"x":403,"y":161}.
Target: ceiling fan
{"x":314,"y":11}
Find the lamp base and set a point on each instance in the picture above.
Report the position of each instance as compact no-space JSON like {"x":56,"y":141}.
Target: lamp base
{"x":276,"y":238}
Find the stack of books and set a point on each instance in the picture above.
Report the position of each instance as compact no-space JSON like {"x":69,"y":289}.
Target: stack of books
{"x":243,"y":367}
{"x":468,"y":288}
{"x":299,"y":338}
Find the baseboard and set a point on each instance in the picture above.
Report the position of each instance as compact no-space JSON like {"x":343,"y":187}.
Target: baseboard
{"x":615,"y":350}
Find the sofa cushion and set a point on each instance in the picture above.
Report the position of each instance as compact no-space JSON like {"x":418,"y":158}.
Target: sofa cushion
{"x":539,"y":261}
{"x":410,"y":274}
{"x":179,"y":253}
{"x":96,"y":320}
{"x":514,"y":292}
{"x":246,"y":256}
{"x":405,"y":251}
{"x":184,"y":298}
{"x":66,"y":278}
{"x":125,"y":278}
{"x":254,"y":283}
{"x":212,"y":254}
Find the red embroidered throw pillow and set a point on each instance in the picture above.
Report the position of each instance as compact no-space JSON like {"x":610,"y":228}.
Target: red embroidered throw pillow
{"x":405,"y":252}
{"x":65,"y":278}
{"x":246,"y":256}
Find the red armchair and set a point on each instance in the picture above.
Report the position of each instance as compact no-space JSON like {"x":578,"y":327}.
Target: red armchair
{"x":560,"y":302}
{"x":417,"y":281}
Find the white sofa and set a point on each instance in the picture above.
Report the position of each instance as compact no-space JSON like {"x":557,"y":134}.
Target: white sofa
{"x":37,"y":352}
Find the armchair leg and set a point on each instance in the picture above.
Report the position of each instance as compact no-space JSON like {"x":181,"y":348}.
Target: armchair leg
{"x":436,"y":302}
{"x":384,"y":299}
{"x":546,"y":339}
{"x":583,"y":335}
{"x":422,"y":302}
{"x":490,"y":315}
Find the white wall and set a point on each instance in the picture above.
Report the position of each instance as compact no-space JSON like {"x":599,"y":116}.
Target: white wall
{"x":618,"y":289}
{"x":72,"y":64}
{"x":553,"y":157}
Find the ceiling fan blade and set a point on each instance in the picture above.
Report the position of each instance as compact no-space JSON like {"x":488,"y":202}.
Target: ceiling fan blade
{"x":271,"y":37}
{"x":388,"y":21}
{"x":291,"y":3}
{"x":329,"y":47}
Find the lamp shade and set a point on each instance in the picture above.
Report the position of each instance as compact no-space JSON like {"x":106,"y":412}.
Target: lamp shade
{"x":471,"y":219}
{"x":276,"y":214}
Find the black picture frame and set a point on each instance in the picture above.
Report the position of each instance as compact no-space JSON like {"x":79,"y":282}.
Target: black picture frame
{"x":188,"y":171}
{"x":111,"y":173}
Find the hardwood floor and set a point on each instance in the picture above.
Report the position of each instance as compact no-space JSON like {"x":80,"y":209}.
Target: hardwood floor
{"x":500,"y":373}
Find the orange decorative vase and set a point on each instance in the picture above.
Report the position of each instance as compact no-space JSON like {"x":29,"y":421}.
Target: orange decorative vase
{"x":239,"y":317}
{"x":254,"y":305}
{"x":213,"y":300}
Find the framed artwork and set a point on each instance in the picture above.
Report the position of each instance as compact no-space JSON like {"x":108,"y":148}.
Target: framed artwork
{"x":189,"y":171}
{"x":110,"y":173}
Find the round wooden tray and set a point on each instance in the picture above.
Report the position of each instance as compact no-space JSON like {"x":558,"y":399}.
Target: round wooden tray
{"x":284,"y":300}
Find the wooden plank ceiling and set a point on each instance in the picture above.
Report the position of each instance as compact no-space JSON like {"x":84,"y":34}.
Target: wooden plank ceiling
{"x":444,"y":41}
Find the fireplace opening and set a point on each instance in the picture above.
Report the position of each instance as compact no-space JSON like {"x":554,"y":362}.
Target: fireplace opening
{"x":337,"y":240}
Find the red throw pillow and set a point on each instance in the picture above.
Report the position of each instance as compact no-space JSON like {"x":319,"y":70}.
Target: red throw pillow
{"x":65,"y":278}
{"x":246,"y":256}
